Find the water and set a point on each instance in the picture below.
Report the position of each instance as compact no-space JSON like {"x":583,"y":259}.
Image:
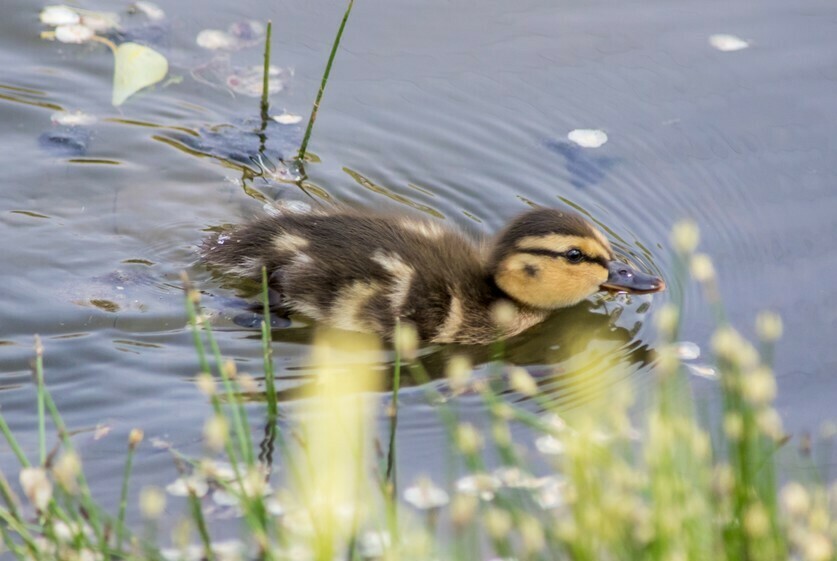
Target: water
{"x":459,"y":110}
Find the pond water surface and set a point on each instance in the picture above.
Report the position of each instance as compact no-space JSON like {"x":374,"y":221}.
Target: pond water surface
{"x":456,"y":109}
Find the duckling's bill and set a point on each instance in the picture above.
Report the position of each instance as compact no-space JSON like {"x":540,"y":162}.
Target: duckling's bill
{"x":623,"y":278}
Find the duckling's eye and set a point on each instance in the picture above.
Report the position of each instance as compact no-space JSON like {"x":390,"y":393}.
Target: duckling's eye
{"x":574,"y":255}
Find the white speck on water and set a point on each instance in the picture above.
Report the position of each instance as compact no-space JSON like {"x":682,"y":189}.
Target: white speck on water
{"x":151,"y":10}
{"x":100,"y":22}
{"x":223,"y":498}
{"x":59,"y":15}
{"x":287,"y":119}
{"x":215,"y":39}
{"x":588,"y":138}
{"x":727,"y":43}
{"x":181,"y":486}
{"x":75,"y":33}
{"x":425,"y":495}
{"x":548,"y":444}
{"x":72,"y":118}
{"x":373,"y":545}
{"x":686,"y":350}
{"x":551,"y":495}
{"x":482,"y":485}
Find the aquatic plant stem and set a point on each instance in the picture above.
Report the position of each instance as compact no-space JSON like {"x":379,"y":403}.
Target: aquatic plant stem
{"x":13,"y":444}
{"x":267,"y":353}
{"x":39,"y":381}
{"x":123,"y":496}
{"x":393,"y":420}
{"x":266,"y":74}
{"x":313,"y":117}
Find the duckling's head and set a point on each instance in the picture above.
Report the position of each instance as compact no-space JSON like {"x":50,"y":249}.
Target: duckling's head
{"x":551,"y":258}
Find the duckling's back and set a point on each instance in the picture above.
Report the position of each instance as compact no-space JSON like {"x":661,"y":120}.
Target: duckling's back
{"x":361,"y":271}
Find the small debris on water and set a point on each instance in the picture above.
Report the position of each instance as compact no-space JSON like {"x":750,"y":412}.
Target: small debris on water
{"x":549,"y":445}
{"x":287,"y":119}
{"x":727,"y":43}
{"x":425,"y":495}
{"x":151,"y":10}
{"x":686,"y":350}
{"x":182,"y":486}
{"x":59,"y":15}
{"x":482,"y":485}
{"x":215,"y":39}
{"x":100,"y":22}
{"x":588,"y":138}
{"x":72,"y":118}
{"x":74,"y":33}
{"x":703,"y":371}
{"x":249,"y":80}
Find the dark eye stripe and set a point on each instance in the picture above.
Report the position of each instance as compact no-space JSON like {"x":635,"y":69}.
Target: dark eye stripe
{"x":549,"y":253}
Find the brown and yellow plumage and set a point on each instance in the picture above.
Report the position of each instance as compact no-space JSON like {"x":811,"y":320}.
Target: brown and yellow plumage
{"x":363,"y":271}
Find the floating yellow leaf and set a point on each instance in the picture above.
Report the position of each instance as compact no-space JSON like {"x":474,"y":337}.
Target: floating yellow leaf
{"x":137,"y":66}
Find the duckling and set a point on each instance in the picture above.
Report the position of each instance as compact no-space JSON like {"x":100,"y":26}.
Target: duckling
{"x":364,"y":270}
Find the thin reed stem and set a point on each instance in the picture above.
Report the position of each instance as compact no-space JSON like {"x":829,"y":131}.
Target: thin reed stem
{"x":266,"y":73}
{"x":267,"y":354}
{"x":13,"y":444}
{"x":39,"y":382}
{"x":393,"y":420}
{"x":313,"y":117}
{"x":123,"y":496}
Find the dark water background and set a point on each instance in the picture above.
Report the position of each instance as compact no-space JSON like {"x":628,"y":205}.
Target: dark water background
{"x":458,"y":109}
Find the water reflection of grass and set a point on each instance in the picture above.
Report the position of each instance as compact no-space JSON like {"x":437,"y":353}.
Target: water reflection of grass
{"x":667,"y":488}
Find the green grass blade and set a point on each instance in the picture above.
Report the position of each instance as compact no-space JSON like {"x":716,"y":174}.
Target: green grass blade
{"x":313,"y":117}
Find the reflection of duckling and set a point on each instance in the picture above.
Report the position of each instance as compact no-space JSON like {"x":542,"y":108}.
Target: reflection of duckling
{"x":361,"y":270}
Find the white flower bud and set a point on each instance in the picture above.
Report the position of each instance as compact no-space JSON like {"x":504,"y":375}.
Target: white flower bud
{"x":152,"y":502}
{"x":36,"y":486}
{"x":769,"y":326}
{"x":685,"y":236}
{"x":522,"y":382}
{"x":215,"y":432}
{"x":702,"y":268}
{"x":458,"y":371}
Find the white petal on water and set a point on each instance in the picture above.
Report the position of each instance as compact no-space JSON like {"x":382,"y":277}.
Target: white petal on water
{"x":72,"y":118}
{"x":180,"y":486}
{"x":686,"y":350}
{"x":287,"y":119}
{"x":100,"y":22}
{"x":588,"y":138}
{"x":215,"y":39}
{"x":425,"y":495}
{"x":190,"y":553}
{"x":273,"y":506}
{"x":703,"y":370}
{"x":551,"y":495}
{"x":555,"y":422}
{"x":59,"y":15}
{"x":151,"y":10}
{"x":75,"y":33}
{"x":373,"y":545}
{"x":727,"y":43}
{"x":548,"y":444}
{"x":480,"y":484}
{"x":223,"y":498}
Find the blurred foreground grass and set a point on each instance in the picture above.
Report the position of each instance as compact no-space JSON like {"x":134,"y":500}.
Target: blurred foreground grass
{"x":664,"y":487}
